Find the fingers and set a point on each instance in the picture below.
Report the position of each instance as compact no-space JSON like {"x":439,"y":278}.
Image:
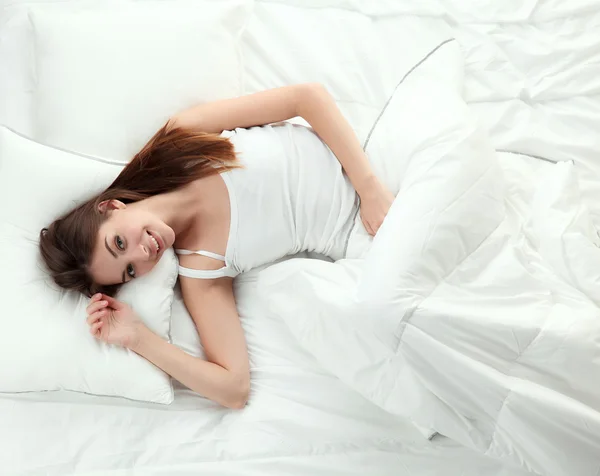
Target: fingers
{"x":96,"y":310}
{"x":375,"y":226}
{"x":112,"y":302}
{"x":372,"y":227}
{"x":95,"y":328}
{"x":92,"y":318}
{"x":367,"y":226}
{"x":96,"y":306}
{"x":94,"y":299}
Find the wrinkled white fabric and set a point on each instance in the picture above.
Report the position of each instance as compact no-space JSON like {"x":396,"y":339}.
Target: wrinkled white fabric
{"x":531,"y":76}
{"x":474,"y":310}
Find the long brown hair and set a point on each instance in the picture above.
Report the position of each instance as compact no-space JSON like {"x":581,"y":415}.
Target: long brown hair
{"x":173,"y":158}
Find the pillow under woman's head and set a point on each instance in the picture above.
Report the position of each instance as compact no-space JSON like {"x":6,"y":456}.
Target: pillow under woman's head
{"x":45,"y":335}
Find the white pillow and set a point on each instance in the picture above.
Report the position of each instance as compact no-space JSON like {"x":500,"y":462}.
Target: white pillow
{"x":17,"y":78}
{"x":17,"y":74}
{"x":108,"y":78}
{"x":45,"y":343}
{"x":351,"y":65}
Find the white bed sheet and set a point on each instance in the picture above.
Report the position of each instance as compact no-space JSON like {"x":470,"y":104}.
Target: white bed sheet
{"x":300,"y":420}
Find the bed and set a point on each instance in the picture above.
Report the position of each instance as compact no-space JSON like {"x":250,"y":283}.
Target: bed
{"x":531,"y":77}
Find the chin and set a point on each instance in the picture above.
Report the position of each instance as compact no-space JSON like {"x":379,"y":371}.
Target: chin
{"x":170,"y":239}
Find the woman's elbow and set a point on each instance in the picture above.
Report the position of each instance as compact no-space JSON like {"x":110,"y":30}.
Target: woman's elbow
{"x":240,"y":392}
{"x":308,"y":94}
{"x":312,"y":90}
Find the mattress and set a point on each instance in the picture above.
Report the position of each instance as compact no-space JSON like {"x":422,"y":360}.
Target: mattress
{"x":531,"y":74}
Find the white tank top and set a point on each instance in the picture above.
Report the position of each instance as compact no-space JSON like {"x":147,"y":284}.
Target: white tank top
{"x":291,"y":195}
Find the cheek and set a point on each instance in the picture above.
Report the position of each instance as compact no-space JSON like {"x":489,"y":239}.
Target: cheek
{"x":145,"y":268}
{"x":132,"y":231}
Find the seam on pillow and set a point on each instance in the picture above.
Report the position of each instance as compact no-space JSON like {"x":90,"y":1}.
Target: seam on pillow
{"x":419,"y":63}
{"x":239,"y":38}
{"x":67,"y":151}
{"x":101,"y":395}
{"x":33,"y":61}
{"x":241,"y":67}
{"x":539,"y":157}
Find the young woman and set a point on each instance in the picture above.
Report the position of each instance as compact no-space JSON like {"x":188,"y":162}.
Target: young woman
{"x":230,"y":192}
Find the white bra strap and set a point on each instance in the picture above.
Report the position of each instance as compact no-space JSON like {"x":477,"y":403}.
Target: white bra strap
{"x":207,"y":273}
{"x":208,"y":254}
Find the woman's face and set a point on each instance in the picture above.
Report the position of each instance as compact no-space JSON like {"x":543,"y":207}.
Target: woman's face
{"x":126,"y":245}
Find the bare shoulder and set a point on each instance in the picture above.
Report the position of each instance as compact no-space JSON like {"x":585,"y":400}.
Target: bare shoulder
{"x":210,"y":230}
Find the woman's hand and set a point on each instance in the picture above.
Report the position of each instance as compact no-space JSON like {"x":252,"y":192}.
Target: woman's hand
{"x":113,"y":322}
{"x":375,"y":202}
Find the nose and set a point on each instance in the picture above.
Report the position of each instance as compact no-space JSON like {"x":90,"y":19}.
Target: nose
{"x":141,"y":258}
{"x":142,"y":253}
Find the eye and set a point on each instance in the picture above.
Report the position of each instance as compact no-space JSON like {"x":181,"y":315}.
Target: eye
{"x":119,"y":243}
{"x":130,"y":271}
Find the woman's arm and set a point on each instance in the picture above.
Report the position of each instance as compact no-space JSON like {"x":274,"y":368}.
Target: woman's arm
{"x":225,"y":377}
{"x":311,"y":101}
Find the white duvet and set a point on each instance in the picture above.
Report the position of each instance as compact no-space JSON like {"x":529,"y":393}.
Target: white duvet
{"x":486,"y":333}
{"x":472,"y":313}
{"x":500,"y":355}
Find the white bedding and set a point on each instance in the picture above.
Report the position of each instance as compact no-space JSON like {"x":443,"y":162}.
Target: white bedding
{"x":507,"y":341}
{"x":300,"y":421}
{"x":532,"y":78}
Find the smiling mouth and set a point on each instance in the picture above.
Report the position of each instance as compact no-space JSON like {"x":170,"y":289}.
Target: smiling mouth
{"x":155,"y":243}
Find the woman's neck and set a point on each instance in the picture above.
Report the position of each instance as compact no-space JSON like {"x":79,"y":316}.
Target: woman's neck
{"x":178,"y":209}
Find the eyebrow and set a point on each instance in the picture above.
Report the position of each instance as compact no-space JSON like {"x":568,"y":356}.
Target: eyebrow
{"x":115,"y":255}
